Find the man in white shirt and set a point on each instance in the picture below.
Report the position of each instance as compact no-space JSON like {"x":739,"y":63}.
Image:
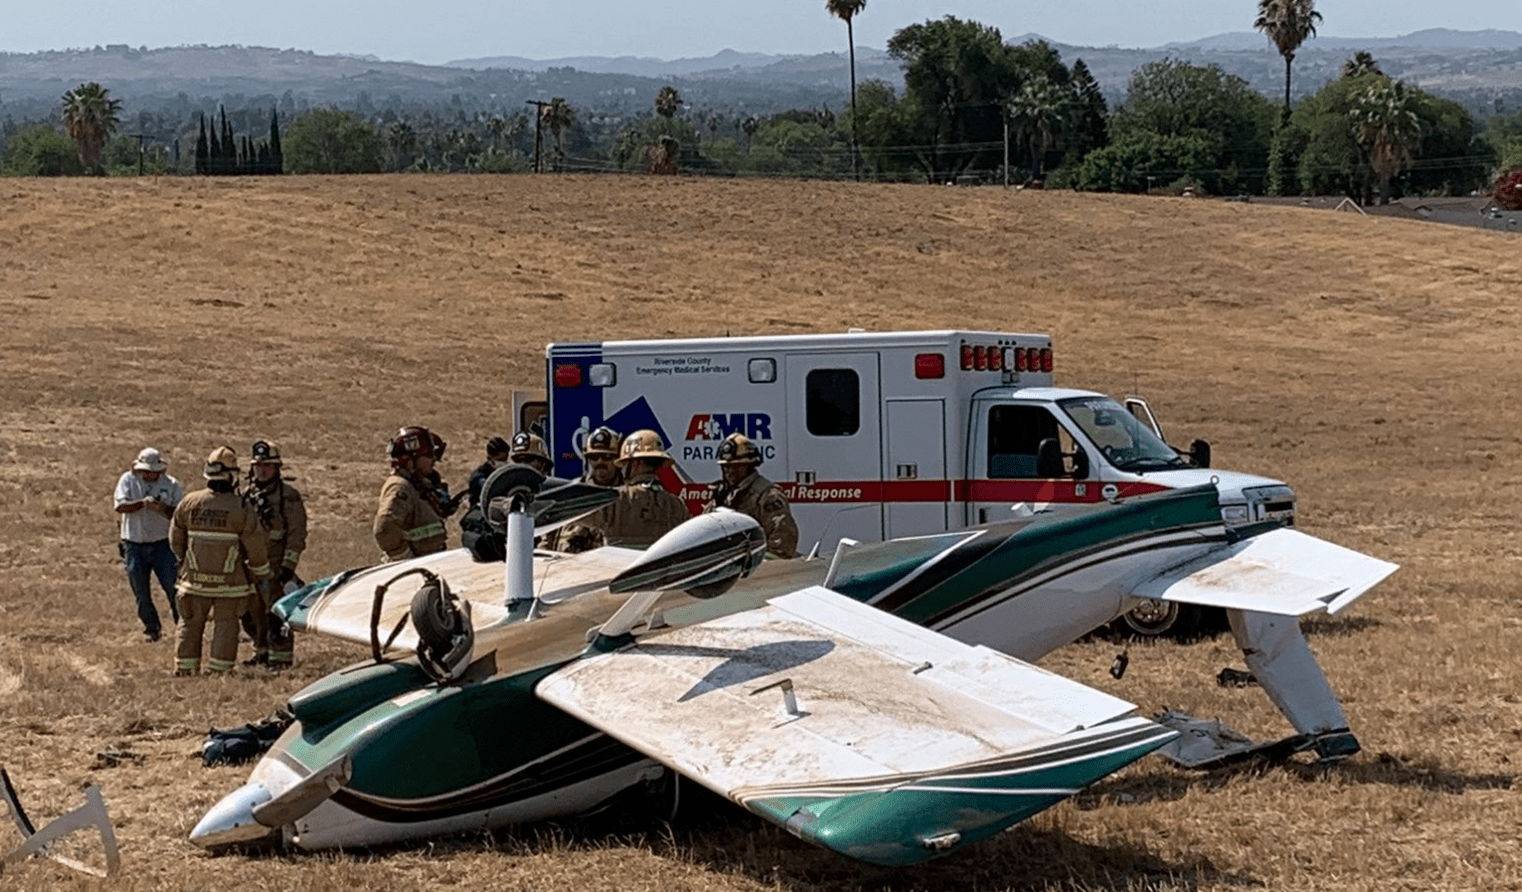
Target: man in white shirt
{"x":145,"y":501}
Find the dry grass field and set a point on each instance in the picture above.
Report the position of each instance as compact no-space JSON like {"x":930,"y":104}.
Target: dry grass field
{"x":1373,"y":363}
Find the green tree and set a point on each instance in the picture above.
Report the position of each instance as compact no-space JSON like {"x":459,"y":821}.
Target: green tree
{"x":276,"y":162}
{"x":40,"y":151}
{"x":846,"y":11}
{"x":667,"y":102}
{"x":1386,"y":124}
{"x":1137,"y":160}
{"x":1040,"y":112}
{"x":328,"y":140}
{"x":402,"y":140}
{"x":957,"y":77}
{"x":1287,"y":23}
{"x":90,"y":116}
{"x":1225,"y":124}
{"x":1361,"y":64}
{"x":559,"y":117}
{"x":203,"y":150}
{"x":1091,"y":114}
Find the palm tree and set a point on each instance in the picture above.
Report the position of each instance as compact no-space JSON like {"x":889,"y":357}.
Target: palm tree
{"x":846,"y":10}
{"x":1040,"y":110}
{"x":1385,"y":123}
{"x":667,"y":101}
{"x":559,"y":117}
{"x":1361,"y":64}
{"x":1287,"y":23}
{"x":89,"y":116}
{"x":403,"y":142}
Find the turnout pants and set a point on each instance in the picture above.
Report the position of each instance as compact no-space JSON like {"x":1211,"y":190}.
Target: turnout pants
{"x":273,"y":642}
{"x":195,"y":611}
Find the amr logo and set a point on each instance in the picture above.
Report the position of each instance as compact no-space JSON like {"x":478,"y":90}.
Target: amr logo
{"x":756,"y":425}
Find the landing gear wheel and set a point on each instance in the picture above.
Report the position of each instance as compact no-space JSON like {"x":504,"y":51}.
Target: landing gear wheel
{"x":1152,"y":618}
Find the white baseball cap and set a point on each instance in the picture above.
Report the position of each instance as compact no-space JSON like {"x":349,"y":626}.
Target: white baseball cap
{"x":149,"y":460}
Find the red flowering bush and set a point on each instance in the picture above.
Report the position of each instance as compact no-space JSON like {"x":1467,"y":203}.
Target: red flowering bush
{"x":1508,"y":191}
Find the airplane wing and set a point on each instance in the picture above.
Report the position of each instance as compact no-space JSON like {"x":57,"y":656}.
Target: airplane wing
{"x":342,"y":605}
{"x":1282,"y":571}
{"x":853,"y":729}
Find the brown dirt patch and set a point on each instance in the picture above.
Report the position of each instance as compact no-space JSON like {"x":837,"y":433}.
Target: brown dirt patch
{"x":1373,"y":363}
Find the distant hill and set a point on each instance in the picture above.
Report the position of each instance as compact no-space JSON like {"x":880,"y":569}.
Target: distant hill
{"x":1432,"y":38}
{"x":1484,"y":68}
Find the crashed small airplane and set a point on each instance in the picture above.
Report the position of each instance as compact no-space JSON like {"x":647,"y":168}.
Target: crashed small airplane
{"x":876,"y":703}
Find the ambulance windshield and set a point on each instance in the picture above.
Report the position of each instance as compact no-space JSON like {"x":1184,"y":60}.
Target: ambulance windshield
{"x":1124,"y":442}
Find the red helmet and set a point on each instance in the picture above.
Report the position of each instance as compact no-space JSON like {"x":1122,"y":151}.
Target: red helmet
{"x":415,"y":442}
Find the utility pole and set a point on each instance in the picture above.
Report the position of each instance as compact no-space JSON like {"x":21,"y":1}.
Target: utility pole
{"x":1006,"y":147}
{"x":139,"y":151}
{"x":538,"y":105}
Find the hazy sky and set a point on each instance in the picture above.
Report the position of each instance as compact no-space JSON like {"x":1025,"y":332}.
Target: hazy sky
{"x":668,"y":29}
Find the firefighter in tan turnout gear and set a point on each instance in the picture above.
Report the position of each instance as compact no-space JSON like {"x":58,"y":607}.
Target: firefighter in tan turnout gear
{"x":745,"y":490}
{"x":645,"y":511}
{"x":217,"y":539}
{"x":529,"y":449}
{"x":409,"y":520}
{"x":283,"y":516}
{"x":600,"y":455}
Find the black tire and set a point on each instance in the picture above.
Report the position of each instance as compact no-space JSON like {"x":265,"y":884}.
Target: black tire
{"x":1160,"y":619}
{"x":434,"y":617}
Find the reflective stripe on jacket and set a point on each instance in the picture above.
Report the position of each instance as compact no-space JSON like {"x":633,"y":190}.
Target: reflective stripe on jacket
{"x":219,"y":544}
{"x":405,"y":523}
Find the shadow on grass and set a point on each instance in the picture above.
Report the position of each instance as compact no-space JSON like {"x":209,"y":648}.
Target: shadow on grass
{"x":717,"y":836}
{"x":1338,"y":626}
{"x":1166,"y":784}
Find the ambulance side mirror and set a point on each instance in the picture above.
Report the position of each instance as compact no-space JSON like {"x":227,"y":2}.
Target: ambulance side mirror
{"x":1050,"y":464}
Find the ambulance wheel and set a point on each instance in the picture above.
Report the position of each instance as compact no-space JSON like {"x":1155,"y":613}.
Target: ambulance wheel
{"x":1154,"y":618}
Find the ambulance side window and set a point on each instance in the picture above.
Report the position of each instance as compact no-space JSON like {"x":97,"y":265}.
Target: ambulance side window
{"x":832,"y":400}
{"x":1014,"y":433}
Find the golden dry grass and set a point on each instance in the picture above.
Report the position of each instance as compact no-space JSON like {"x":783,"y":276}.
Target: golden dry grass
{"x":1372,"y":363}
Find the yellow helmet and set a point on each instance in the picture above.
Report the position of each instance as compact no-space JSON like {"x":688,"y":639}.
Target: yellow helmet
{"x":222,"y":464}
{"x":738,"y":449}
{"x":265,"y":452}
{"x":529,"y":449}
{"x":603,"y":441}
{"x":643,"y":444}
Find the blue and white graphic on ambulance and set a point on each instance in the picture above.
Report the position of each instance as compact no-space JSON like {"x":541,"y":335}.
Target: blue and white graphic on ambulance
{"x":717,"y":426}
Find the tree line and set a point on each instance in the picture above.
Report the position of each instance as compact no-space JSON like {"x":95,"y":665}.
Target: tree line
{"x":971,"y":107}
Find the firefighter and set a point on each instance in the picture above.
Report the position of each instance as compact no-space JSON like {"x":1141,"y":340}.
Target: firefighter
{"x":409,"y":520}
{"x":745,"y":490}
{"x":497,"y":454}
{"x":601,"y":456}
{"x":283,"y":515}
{"x":529,"y":449}
{"x":217,"y":539}
{"x":645,"y":511}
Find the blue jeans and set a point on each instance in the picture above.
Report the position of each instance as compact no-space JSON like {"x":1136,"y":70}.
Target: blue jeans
{"x":145,"y":559}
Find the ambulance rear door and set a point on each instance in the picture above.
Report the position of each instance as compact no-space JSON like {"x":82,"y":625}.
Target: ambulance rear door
{"x":916,"y":491}
{"x":834,"y":448}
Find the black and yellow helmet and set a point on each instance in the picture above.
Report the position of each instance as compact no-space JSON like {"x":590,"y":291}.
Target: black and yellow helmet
{"x":738,"y":449}
{"x":602,"y":442}
{"x":265,"y":452}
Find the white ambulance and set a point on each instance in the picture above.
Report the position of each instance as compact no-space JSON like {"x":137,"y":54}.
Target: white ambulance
{"x":881,"y":435}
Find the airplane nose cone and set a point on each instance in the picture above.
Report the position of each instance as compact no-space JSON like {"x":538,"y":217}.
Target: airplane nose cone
{"x":231,"y":821}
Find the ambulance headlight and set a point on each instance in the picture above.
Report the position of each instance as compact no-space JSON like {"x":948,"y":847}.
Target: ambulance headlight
{"x":1233,"y":515}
